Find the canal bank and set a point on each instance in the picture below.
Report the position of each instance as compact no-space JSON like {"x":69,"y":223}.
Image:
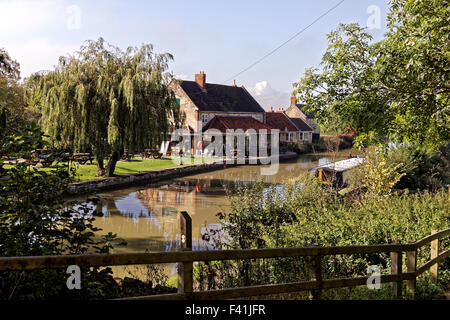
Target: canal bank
{"x":153,"y":176}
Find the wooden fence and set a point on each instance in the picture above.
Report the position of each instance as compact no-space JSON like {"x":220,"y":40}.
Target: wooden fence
{"x":185,"y":258}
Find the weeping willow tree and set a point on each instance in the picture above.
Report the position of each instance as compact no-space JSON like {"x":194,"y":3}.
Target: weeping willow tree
{"x":106,"y":100}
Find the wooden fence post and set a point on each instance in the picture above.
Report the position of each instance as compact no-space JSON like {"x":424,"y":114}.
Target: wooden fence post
{"x":411,"y":266}
{"x":185,"y":274}
{"x":317,"y":294}
{"x":434,"y":253}
{"x":315,"y":273}
{"x":396,"y":268}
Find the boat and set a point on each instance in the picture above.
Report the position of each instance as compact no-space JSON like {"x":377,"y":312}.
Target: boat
{"x":335,"y":173}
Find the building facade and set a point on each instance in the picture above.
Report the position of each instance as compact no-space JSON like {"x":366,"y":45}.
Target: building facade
{"x":200,"y":102}
{"x":298,"y":111}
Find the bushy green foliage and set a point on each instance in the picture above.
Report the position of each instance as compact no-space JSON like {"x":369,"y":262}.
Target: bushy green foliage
{"x":403,"y":166}
{"x":106,"y":100}
{"x":422,"y":169}
{"x":306,"y":213}
{"x":396,"y":88}
{"x":35,"y":221}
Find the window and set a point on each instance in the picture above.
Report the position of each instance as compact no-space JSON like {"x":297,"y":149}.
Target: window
{"x":204,"y":118}
{"x":179,"y":198}
{"x":291,"y":136}
{"x":306,"y":136}
{"x":183,"y":116}
{"x":300,"y":135}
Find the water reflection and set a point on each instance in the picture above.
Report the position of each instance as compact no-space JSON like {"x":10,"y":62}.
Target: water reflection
{"x":147,"y":217}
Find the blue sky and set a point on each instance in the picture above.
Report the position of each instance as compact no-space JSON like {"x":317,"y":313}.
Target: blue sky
{"x":219,"y":37}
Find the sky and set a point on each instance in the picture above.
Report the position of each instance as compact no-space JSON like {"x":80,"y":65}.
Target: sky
{"x":221,"y":38}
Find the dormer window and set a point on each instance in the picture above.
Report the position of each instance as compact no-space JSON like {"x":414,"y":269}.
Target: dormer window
{"x":204,"y":118}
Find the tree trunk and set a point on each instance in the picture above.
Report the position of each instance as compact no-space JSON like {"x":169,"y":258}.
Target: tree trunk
{"x":100,"y":167}
{"x":111,"y":166}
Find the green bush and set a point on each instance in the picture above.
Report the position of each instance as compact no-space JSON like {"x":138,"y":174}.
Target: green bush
{"x":305,"y":213}
{"x":35,"y":221}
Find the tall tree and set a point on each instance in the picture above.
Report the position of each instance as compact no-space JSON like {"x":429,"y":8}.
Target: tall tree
{"x":396,"y":88}
{"x":106,"y":100}
{"x":11,"y":91}
{"x":344,"y":93}
{"x":414,"y":67}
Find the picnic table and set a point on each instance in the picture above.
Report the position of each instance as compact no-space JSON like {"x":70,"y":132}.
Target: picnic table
{"x":126,"y":155}
{"x":82,"y":158}
{"x":152,"y":153}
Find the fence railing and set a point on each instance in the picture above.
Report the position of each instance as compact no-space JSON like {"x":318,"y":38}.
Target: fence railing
{"x":185,"y":258}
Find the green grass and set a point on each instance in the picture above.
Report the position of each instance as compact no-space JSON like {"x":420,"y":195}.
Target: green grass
{"x":135,"y":165}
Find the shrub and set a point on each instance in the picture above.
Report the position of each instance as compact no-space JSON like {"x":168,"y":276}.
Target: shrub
{"x":35,"y":221}
{"x":305,"y":213}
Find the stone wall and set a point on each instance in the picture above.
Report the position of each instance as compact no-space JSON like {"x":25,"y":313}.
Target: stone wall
{"x":186,"y":106}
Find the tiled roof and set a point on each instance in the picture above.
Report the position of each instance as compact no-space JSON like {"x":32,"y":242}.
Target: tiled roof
{"x":303,"y":108}
{"x":216,"y":97}
{"x":278,"y":120}
{"x":301,"y":125}
{"x":223,"y":123}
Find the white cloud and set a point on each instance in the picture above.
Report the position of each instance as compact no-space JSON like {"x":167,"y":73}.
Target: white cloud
{"x":39,"y":54}
{"x":269,"y":97}
{"x":181,"y":77}
{"x":22,"y":16}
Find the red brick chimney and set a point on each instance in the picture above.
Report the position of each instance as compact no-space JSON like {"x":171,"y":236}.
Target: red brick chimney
{"x":293,"y":100}
{"x":200,"y":78}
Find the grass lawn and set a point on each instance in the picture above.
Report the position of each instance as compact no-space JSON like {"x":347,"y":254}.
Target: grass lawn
{"x":135,"y":165}
{"x":88,"y":172}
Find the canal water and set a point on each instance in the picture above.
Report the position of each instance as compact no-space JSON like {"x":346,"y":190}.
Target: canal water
{"x":146,"y":216}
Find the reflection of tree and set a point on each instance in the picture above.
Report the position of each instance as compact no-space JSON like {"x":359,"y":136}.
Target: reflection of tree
{"x":111,"y":205}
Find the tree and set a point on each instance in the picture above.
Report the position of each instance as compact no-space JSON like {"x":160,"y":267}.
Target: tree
{"x":37,"y":220}
{"x":106,"y":100}
{"x":344,"y":94}
{"x":11,"y":91}
{"x":397,"y":88}
{"x":414,"y":67}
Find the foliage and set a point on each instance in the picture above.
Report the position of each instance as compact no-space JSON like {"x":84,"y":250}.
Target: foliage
{"x":103,"y":99}
{"x":343,"y":94}
{"x":305,"y":213}
{"x":34,"y":221}
{"x":403,"y":166}
{"x":12,"y":93}
{"x":422,"y":169}
{"x":397,"y":88}
{"x":413,"y":67}
{"x":379,"y":175}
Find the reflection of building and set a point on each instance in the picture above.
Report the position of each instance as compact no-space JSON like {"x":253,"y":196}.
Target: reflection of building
{"x":166,"y":201}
